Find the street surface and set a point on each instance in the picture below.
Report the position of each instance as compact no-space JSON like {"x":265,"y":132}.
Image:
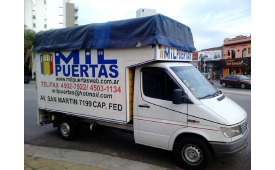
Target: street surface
{"x":112,"y":142}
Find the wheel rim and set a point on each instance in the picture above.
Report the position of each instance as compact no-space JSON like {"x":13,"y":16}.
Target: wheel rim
{"x":242,"y":86}
{"x":192,"y":154}
{"x":223,"y":84}
{"x":65,"y":129}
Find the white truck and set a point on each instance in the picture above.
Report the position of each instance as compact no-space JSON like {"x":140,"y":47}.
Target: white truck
{"x":134,"y":75}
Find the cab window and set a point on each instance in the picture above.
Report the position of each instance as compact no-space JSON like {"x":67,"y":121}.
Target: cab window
{"x":157,"y":83}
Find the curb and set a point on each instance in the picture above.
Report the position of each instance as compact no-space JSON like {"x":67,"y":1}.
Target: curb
{"x":246,"y":93}
{"x":32,"y":82}
{"x":94,"y":160}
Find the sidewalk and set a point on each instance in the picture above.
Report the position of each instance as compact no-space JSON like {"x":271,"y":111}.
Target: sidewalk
{"x":43,"y":158}
{"x":31,"y":163}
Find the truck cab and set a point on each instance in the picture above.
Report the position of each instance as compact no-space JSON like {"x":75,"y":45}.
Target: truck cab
{"x":203,"y":114}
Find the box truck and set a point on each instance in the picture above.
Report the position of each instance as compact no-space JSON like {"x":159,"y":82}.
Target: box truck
{"x":135,"y":75}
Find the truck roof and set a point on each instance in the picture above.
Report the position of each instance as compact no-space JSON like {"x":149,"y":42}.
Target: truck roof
{"x":137,"y":32}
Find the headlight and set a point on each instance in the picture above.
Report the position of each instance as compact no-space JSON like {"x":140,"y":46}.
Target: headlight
{"x":231,"y":132}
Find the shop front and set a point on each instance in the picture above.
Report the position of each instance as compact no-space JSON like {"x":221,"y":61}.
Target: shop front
{"x":214,"y":69}
{"x":238,"y":66}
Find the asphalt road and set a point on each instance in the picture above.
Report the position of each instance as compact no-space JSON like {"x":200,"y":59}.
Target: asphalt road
{"x":112,"y":142}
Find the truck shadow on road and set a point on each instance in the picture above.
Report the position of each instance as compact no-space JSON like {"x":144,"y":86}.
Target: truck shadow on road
{"x":111,"y":142}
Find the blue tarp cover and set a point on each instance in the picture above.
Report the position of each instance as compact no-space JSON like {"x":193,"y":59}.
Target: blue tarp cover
{"x":156,"y":29}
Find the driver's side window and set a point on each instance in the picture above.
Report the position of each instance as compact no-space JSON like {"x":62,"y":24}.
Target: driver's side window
{"x":158,"y":84}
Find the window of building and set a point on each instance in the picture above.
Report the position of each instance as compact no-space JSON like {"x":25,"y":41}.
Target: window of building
{"x":158,"y":84}
{"x":249,"y":50}
{"x":33,"y":25}
{"x":45,"y":2}
{"x":33,"y":17}
{"x":33,"y":8}
{"x":33,"y":1}
{"x":233,"y":54}
{"x":244,"y":52}
{"x":45,"y":18}
{"x":45,"y":25}
{"x":228,"y":52}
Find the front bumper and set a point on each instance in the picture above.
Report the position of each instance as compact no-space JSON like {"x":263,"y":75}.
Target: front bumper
{"x":226,"y":149}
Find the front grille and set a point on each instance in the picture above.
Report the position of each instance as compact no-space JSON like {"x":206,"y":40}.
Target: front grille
{"x":243,"y":127}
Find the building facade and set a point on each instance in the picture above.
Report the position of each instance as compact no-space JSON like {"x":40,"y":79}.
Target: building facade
{"x":41,"y":15}
{"x":237,"y":56}
{"x":234,"y":57}
{"x":209,"y":61}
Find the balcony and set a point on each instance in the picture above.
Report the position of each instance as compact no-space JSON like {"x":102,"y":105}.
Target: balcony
{"x":76,"y":7}
{"x":75,"y":16}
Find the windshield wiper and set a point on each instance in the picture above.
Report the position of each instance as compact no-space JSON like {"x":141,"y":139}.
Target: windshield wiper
{"x":212,"y":94}
{"x":209,"y":95}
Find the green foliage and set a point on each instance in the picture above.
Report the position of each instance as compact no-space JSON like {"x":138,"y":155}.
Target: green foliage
{"x":28,"y":45}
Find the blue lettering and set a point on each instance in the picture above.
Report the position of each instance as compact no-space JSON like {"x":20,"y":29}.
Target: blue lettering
{"x":93,"y":69}
{"x":57,"y":69}
{"x":74,"y":54}
{"x":68,"y":73}
{"x":84,"y":69}
{"x":75,"y":70}
{"x":166,"y":53}
{"x":102,"y":71}
{"x":100,"y":58}
{"x":113,"y":68}
{"x":174,"y":56}
{"x":88,"y":59}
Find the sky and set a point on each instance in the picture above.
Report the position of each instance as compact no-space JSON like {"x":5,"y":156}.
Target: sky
{"x":211,"y":21}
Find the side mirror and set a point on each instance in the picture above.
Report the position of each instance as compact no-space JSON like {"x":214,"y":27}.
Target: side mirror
{"x":177,"y":96}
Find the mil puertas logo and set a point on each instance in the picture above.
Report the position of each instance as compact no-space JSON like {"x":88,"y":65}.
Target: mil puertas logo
{"x":46,"y":62}
{"x":106,"y":68}
{"x":171,"y":53}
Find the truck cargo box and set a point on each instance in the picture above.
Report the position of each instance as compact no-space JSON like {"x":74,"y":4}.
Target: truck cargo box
{"x":87,"y":71}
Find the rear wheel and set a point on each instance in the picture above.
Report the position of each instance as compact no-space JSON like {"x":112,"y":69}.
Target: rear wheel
{"x":224,"y":84}
{"x":242,"y":86}
{"x":66,"y":129}
{"x":193,"y":153}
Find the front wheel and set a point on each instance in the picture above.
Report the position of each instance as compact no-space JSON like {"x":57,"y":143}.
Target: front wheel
{"x":224,"y":85}
{"x":242,"y":86}
{"x":193,"y":153}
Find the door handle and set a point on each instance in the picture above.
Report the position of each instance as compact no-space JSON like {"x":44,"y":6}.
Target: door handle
{"x":144,"y":106}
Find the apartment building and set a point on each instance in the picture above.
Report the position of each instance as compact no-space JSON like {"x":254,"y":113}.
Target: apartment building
{"x":41,"y":15}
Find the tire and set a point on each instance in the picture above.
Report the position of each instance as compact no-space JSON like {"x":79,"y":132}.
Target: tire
{"x":193,"y":153}
{"x":224,"y":84}
{"x":242,"y":86}
{"x":66,"y":129}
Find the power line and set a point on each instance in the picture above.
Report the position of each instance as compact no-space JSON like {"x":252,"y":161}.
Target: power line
{"x":221,"y":22}
{"x":209,"y":9}
{"x":220,"y":18}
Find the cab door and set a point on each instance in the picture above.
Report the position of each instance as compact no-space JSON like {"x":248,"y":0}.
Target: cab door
{"x":158,"y":118}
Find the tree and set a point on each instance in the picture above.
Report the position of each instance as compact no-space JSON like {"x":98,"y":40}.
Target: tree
{"x":28,"y":46}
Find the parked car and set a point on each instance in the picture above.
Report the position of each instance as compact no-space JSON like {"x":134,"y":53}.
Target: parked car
{"x":26,"y":80}
{"x":236,"y":80}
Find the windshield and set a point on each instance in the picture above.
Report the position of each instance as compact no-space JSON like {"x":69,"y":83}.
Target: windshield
{"x":243,"y":78}
{"x":194,"y":81}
